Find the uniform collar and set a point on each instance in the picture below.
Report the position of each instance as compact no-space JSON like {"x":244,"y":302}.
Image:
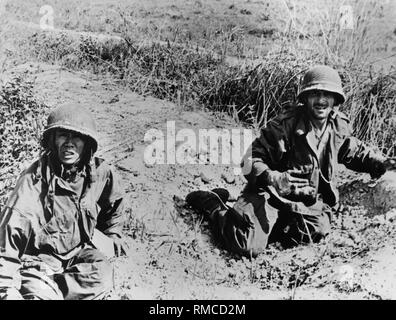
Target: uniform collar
{"x":75,"y":186}
{"x":303,"y":125}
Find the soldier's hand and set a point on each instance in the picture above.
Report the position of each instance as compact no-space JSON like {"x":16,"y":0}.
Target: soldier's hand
{"x":39,"y":265}
{"x":286,"y":182}
{"x":10,"y":294}
{"x":120,"y":246}
{"x":390,"y":164}
{"x":242,"y":220}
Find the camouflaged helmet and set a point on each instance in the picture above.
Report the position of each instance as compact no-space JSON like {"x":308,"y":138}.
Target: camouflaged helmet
{"x":322,"y":77}
{"x":73,"y":118}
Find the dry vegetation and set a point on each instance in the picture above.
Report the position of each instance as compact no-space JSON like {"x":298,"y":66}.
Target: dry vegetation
{"x":241,"y":57}
{"x":213,"y":55}
{"x":22,"y":118}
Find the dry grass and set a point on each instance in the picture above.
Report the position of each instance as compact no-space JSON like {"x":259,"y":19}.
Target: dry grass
{"x":22,"y":120}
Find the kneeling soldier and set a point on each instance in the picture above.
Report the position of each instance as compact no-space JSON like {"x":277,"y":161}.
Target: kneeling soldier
{"x":290,"y":193}
{"x":59,"y":204}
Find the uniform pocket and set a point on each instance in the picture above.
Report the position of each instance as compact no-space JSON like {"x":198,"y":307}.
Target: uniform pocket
{"x":57,"y":224}
{"x":61,"y":233}
{"x":90,"y":217}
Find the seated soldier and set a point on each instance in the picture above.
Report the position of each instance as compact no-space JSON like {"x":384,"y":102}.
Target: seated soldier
{"x":56,"y":207}
{"x":290,"y":194}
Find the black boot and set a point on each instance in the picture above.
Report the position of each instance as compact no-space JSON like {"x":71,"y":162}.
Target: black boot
{"x":207,"y":202}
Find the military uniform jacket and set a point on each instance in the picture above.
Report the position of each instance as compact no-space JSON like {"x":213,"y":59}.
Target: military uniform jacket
{"x":45,"y":215}
{"x":288,"y":142}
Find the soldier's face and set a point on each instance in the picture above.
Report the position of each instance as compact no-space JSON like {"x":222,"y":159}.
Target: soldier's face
{"x":320,"y":103}
{"x":69,"y":146}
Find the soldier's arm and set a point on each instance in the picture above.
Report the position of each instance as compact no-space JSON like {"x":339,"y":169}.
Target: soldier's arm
{"x":111,"y":216}
{"x":265,"y":152}
{"x":15,"y":232}
{"x":358,"y":156}
{"x":17,"y":229}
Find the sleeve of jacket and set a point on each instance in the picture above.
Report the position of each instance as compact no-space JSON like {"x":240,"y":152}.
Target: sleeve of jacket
{"x":358,"y":156}
{"x":15,"y":229}
{"x":17,"y":225}
{"x":265,"y":152}
{"x":111,"y":216}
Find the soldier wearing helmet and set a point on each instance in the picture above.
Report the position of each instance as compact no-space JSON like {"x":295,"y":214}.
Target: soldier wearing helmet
{"x":290,"y":195}
{"x":64,"y":217}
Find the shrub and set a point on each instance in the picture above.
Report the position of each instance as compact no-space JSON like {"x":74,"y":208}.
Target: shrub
{"x":257,"y":93}
{"x":21,"y":123}
{"x":371,"y":106}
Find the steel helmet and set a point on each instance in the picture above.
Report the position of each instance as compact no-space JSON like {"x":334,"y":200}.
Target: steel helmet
{"x":74,"y":118}
{"x":325,"y":78}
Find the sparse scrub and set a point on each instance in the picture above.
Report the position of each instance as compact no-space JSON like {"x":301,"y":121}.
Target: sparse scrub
{"x":21,"y":122}
{"x":257,"y":93}
{"x":253,"y":92}
{"x":372,"y":108}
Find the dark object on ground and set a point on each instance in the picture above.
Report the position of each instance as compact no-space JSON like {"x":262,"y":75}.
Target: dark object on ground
{"x":208,"y":201}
